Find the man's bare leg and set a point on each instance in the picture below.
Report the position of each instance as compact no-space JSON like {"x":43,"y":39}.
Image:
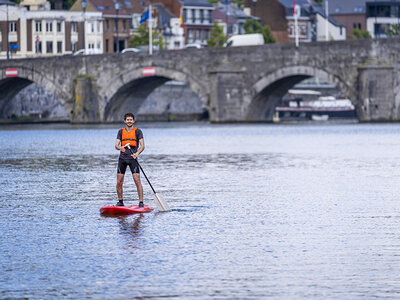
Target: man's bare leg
{"x":139,"y":187}
{"x":120,"y":182}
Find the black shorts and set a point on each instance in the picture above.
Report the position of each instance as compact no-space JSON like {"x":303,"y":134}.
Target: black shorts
{"x":123,"y":163}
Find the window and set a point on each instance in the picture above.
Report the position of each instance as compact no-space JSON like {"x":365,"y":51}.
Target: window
{"x":201,"y":16}
{"x":49,"y":26}
{"x":13,"y":26}
{"x":73,"y":26}
{"x":74,"y":46}
{"x":116,"y":26}
{"x":124,"y":25}
{"x":198,"y":34}
{"x":98,"y":26}
{"x":49,"y":47}
{"x":98,"y":45}
{"x":185,"y":13}
{"x":38,"y":47}
{"x":91,"y":27}
{"x":38,"y":26}
{"x":209,"y":17}
{"x":59,"y":26}
{"x":190,"y":35}
{"x":206,"y":34}
{"x":106,"y":26}
{"x":59,"y":47}
{"x":106,"y":46}
{"x":359,"y":25}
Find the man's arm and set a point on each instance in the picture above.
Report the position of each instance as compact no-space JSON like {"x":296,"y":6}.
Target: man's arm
{"x":118,"y":147}
{"x":140,"y":149}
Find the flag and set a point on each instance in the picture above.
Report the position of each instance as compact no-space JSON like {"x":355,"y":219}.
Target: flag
{"x":145,"y":16}
{"x":294,"y":7}
{"x":181,"y":21}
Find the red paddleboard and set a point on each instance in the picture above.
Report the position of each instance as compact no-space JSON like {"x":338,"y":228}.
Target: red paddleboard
{"x":125,"y":210}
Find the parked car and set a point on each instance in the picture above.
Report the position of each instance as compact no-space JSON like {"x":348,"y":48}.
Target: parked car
{"x":197,"y":46}
{"x":130,"y":50}
{"x":87,"y":52}
{"x":245,"y":40}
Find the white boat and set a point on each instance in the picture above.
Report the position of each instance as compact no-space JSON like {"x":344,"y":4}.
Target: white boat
{"x":319,"y":117}
{"x":297,"y":108}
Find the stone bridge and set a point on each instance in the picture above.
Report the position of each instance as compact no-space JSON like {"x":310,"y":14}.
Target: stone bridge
{"x":240,"y":84}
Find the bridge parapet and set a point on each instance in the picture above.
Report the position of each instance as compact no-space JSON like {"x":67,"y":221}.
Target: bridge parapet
{"x":235,"y":84}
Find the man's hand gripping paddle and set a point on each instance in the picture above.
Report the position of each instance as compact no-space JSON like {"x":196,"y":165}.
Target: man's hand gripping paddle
{"x":162,"y":205}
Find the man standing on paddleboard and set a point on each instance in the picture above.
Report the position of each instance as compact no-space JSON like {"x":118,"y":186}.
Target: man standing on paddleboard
{"x":134,"y":137}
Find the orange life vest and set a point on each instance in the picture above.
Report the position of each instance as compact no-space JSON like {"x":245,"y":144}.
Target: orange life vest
{"x":129,"y":137}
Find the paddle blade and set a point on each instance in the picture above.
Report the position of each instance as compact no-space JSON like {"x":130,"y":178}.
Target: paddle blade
{"x":162,"y":205}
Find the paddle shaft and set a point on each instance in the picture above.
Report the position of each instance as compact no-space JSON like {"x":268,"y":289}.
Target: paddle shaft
{"x":143,"y":171}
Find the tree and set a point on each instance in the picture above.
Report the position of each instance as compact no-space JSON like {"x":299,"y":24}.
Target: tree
{"x":360,"y":34}
{"x":393,"y":30}
{"x":267,"y":34}
{"x":141,"y":38}
{"x":253,"y":26}
{"x":217,"y":36}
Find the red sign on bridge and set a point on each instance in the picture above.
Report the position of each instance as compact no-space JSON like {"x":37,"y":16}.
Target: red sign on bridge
{"x":11,"y":72}
{"x":149,"y":71}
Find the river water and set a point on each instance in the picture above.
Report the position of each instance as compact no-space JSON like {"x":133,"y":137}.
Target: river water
{"x":259,"y":211}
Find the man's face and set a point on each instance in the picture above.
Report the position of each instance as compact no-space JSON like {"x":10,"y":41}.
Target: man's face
{"x":129,"y":121}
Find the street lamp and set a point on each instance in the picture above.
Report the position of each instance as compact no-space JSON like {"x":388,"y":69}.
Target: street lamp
{"x":117,"y":8}
{"x":7,"y":3}
{"x":84,"y":18}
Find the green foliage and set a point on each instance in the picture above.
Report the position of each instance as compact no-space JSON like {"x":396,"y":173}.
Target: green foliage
{"x":360,"y":34}
{"x":212,"y":1}
{"x":238,"y":2}
{"x":393,"y":30}
{"x":66,"y":4}
{"x":319,"y":2}
{"x":253,"y":26}
{"x":267,"y":34}
{"x":217,"y":36}
{"x":141,"y":38}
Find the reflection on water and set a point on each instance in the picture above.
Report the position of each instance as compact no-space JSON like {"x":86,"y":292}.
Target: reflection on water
{"x":258,"y":211}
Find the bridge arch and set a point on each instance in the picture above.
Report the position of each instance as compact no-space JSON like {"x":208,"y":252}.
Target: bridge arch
{"x":11,"y":86}
{"x":269,"y":90}
{"x":131,"y":88}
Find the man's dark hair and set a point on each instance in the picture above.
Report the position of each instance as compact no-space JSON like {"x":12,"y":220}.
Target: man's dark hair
{"x":129,"y":115}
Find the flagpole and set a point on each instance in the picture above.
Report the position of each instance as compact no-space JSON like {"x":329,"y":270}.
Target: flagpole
{"x":150,"y":32}
{"x":327,"y":21}
{"x":296,"y":28}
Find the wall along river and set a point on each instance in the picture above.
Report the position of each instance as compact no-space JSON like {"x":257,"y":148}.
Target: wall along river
{"x":278,"y":211}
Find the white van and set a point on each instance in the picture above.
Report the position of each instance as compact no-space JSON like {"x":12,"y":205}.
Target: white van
{"x":252,"y":39}
{"x":87,"y":52}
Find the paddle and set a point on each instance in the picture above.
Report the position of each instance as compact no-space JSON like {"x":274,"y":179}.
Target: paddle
{"x":162,"y":205}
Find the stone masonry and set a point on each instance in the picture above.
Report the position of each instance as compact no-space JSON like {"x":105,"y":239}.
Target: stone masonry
{"x":240,"y":84}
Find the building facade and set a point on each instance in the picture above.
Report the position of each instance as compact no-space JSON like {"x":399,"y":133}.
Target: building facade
{"x":380,"y":16}
{"x":48,"y":32}
{"x":197,"y":21}
{"x":351,"y":13}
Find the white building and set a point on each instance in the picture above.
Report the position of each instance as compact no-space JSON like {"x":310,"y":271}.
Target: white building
{"x":48,"y":32}
{"x":380,"y":16}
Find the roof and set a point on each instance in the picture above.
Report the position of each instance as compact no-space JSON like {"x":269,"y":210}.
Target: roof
{"x":308,"y":10}
{"x":164,"y":16}
{"x":203,"y":3}
{"x":221,"y":16}
{"x":234,"y":12}
{"x":341,"y":7}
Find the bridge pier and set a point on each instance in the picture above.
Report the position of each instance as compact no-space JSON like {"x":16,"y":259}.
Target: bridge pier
{"x":228,"y":94}
{"x":377,"y":87}
{"x":85,"y":106}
